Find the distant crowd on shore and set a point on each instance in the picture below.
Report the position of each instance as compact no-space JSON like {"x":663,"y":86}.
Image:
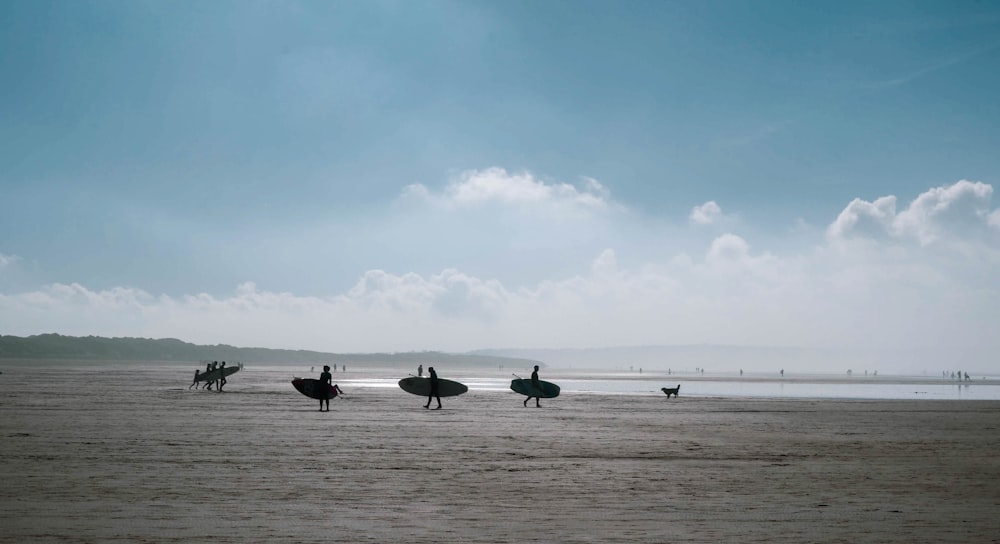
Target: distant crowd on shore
{"x":956,"y":376}
{"x":343,"y":368}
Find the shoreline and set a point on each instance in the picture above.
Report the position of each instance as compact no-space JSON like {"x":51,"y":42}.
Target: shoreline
{"x":362,"y":369}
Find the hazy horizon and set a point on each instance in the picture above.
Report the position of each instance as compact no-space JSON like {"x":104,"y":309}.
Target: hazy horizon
{"x":458,"y":176}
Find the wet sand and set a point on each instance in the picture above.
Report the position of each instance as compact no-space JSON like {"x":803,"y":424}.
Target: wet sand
{"x":134,"y":456}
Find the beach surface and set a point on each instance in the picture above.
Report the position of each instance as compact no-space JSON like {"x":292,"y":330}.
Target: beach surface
{"x":127,"y":453}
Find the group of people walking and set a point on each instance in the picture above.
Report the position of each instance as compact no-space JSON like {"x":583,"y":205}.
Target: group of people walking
{"x":435,"y":387}
{"x":218,"y":382}
{"x":326,"y":378}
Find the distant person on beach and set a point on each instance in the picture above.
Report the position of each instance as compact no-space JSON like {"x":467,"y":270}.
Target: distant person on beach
{"x":536,"y":385}
{"x":420,"y":371}
{"x":196,"y":374}
{"x":325,"y":378}
{"x":434,"y":388}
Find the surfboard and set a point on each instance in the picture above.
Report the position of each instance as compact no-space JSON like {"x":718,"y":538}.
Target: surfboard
{"x":547,"y":390}
{"x":314,"y":388}
{"x":217,"y":374}
{"x":422,"y":386}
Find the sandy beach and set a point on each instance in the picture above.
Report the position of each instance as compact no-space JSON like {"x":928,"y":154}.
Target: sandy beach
{"x":130,"y":454}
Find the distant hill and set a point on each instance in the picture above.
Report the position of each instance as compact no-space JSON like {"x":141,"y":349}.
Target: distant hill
{"x":97,"y":348}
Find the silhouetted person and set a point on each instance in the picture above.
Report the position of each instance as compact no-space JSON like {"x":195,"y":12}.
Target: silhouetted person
{"x":434,"y":388}
{"x":537,"y":386}
{"x":420,"y":371}
{"x":208,"y":368}
{"x":325,"y":378}
{"x":196,"y":374}
{"x":222,"y":377}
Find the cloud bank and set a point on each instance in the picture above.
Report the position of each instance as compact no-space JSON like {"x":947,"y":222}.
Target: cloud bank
{"x":879,"y":277}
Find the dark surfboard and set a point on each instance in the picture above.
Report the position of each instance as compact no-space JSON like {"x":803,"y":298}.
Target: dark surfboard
{"x":217,"y":374}
{"x":422,"y":386}
{"x":546,"y":390}
{"x":314,"y":388}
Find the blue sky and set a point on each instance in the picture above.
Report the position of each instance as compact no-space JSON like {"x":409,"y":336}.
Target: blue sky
{"x":362,"y":176}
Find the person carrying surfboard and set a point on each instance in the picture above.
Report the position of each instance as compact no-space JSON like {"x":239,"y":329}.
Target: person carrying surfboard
{"x":536,"y":386}
{"x":434,"y":388}
{"x":208,"y":368}
{"x":325,"y":378}
{"x":222,"y":378}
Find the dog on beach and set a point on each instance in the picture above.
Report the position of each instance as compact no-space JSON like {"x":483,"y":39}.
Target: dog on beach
{"x":671,"y":390}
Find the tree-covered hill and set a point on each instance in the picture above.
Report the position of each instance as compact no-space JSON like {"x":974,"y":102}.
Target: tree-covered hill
{"x":56,"y":346}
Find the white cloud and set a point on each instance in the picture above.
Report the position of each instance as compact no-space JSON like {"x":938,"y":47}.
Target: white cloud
{"x":706,"y":214}
{"x":961,"y":207}
{"x":728,"y":247}
{"x":994,"y":219}
{"x":941,"y":208}
{"x":8,"y":260}
{"x":863,"y":218}
{"x":496,"y":185}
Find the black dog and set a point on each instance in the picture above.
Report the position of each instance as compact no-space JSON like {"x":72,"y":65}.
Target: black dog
{"x":671,"y":390}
